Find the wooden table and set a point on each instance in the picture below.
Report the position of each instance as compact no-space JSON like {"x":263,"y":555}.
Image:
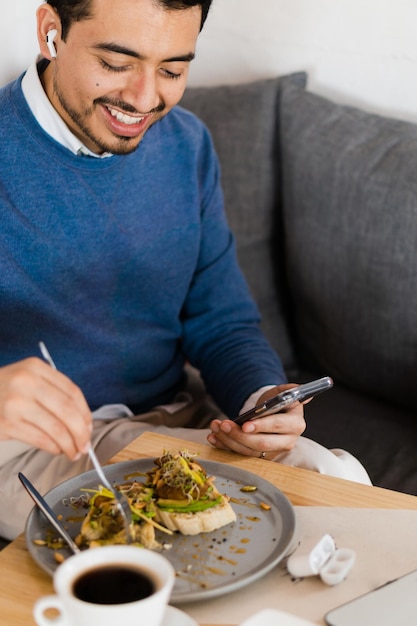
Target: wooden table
{"x":22,"y":581}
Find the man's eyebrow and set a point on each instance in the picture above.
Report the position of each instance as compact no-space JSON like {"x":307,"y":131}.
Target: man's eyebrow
{"x":114,"y":47}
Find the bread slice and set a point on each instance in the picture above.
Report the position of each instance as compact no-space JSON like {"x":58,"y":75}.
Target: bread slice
{"x":200,"y":521}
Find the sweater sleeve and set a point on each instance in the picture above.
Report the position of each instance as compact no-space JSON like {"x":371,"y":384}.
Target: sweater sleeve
{"x":222,"y":336}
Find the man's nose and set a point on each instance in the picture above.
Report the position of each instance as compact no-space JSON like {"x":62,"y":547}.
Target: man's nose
{"x":142,"y":92}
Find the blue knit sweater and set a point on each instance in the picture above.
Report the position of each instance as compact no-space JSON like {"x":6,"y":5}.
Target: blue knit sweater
{"x":124,"y":266}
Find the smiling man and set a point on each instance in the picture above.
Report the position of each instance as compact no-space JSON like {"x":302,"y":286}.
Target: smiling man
{"x":115,"y":251}
{"x":111,"y":83}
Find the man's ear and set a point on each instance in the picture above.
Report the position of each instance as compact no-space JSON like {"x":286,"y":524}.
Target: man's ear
{"x":48,"y":31}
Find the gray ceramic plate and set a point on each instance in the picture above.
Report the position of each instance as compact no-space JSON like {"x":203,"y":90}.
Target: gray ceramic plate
{"x":207,"y":565}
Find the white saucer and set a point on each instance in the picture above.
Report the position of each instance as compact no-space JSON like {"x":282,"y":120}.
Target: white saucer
{"x":175,"y":617}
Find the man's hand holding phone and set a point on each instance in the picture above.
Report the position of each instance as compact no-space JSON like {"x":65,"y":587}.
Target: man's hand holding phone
{"x":272,"y":426}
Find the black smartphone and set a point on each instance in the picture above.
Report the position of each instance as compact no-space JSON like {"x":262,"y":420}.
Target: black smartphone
{"x":285,"y":398}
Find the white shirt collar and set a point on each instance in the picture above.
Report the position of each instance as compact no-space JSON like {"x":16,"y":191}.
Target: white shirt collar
{"x":47,"y":116}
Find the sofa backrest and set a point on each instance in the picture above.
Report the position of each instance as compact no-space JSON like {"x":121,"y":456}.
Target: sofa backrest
{"x":322,"y":199}
{"x":349,"y":182}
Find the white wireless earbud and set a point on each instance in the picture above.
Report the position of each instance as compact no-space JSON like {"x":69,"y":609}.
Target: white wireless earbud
{"x":50,"y":42}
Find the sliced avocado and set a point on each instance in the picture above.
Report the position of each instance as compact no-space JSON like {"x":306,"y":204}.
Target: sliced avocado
{"x":191,"y":507}
{"x":164,"y":502}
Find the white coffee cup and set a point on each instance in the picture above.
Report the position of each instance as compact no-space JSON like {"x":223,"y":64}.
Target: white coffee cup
{"x":86,"y":575}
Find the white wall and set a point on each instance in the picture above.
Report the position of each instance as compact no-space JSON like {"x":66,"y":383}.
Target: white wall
{"x":18,"y":43}
{"x":361,"y":52}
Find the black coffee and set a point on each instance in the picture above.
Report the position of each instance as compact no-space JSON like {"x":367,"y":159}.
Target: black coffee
{"x":113,"y":584}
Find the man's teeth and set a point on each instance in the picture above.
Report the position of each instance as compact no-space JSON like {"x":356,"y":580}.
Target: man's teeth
{"x":123,"y":117}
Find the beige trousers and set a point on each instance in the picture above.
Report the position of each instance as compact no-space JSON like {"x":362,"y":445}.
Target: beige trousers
{"x":188,"y":419}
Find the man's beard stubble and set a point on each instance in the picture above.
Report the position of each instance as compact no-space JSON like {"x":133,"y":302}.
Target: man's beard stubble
{"x":124,"y":144}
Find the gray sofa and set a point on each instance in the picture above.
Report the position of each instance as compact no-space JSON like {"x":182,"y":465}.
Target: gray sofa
{"x":322,"y":199}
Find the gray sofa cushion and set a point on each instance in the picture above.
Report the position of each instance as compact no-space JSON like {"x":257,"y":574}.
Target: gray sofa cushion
{"x":382,"y":436}
{"x":242,"y":121}
{"x":350,"y":211}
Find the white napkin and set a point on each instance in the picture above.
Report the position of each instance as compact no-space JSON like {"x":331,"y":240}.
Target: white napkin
{"x":383,"y":542}
{"x":272,"y":617}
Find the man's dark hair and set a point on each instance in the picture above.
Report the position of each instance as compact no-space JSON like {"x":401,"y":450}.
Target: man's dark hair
{"x":71,"y":11}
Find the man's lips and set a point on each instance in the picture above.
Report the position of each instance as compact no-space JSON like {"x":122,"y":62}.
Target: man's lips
{"x":124,"y":124}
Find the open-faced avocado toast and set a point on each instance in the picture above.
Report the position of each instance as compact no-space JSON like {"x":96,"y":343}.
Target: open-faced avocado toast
{"x":186,"y":499}
{"x":177,"y":495}
{"x":103,"y":524}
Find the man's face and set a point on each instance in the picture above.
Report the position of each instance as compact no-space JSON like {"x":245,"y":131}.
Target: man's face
{"x":121,"y":70}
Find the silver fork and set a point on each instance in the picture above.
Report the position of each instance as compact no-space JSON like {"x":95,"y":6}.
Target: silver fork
{"x":122,"y":501}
